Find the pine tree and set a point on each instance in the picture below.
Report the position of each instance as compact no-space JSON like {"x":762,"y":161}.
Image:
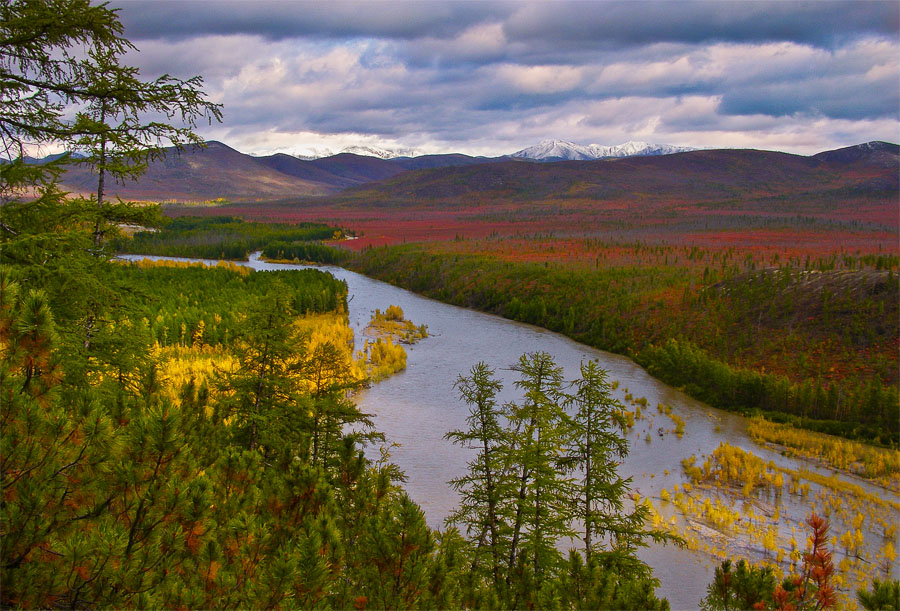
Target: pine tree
{"x":740,"y":586}
{"x":884,"y":595}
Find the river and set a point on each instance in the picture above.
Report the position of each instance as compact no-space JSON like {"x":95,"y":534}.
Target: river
{"x":417,"y":407}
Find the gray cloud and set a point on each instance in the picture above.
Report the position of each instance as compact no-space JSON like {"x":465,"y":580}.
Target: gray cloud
{"x":823,"y":24}
{"x":491,"y":77}
{"x":279,"y":19}
{"x":569,"y":24}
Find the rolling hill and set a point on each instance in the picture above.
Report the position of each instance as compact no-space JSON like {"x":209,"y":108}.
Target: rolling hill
{"x":202,"y":174}
{"x":220,"y":172}
{"x":691,"y":177}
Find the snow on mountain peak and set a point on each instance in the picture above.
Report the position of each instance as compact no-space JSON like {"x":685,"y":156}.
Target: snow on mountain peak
{"x":555,"y":150}
{"x":372,"y":151}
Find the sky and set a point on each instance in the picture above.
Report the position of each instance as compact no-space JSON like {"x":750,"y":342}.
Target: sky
{"x":491,"y":78}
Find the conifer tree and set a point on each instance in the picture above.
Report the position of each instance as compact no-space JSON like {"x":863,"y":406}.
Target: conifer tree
{"x":482,"y":489}
{"x":261,"y":383}
{"x":328,"y":372}
{"x":111,"y":129}
{"x":541,"y":510}
{"x":56,"y":57}
{"x":883,"y":595}
{"x":596,"y":449}
{"x":596,"y":446}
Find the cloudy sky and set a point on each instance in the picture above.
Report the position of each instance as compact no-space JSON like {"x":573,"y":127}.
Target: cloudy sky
{"x":490,"y":78}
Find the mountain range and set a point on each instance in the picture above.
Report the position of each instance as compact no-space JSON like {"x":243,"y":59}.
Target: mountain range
{"x":562,"y":150}
{"x":216,"y":171}
{"x":863,"y":172}
{"x":219,"y":172}
{"x":547,"y":150}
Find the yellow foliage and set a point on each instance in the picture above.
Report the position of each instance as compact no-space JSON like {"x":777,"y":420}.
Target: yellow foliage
{"x":242,"y":270}
{"x":181,"y":364}
{"x":391,"y":323}
{"x":385,"y":358}
{"x":330,"y":328}
{"x":731,"y":466}
{"x":879,"y":464}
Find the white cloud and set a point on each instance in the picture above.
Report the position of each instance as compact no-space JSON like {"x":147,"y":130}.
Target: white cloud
{"x":539,"y":79}
{"x":651,"y":74}
{"x":481,"y":85}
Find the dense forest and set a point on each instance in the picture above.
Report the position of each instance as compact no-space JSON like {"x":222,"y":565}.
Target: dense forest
{"x":716,"y":340}
{"x":226,"y":237}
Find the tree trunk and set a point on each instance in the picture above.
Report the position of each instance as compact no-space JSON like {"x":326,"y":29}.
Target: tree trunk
{"x":101,"y":175}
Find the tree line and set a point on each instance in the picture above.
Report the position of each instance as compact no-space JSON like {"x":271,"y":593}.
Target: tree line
{"x":609,"y":309}
{"x":232,"y":238}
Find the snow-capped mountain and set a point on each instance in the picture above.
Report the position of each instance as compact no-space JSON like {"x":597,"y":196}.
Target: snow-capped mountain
{"x":372,"y":151}
{"x":556,"y":150}
{"x":365,"y":151}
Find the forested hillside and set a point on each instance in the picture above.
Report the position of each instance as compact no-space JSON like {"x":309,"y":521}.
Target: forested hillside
{"x":816,"y":345}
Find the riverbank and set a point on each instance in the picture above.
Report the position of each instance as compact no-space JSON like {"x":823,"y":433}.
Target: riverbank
{"x":633,"y":311}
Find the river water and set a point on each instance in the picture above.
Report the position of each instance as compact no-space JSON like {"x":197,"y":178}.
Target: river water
{"x":417,"y":407}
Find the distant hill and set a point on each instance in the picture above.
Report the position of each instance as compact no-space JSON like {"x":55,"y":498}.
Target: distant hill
{"x":696,"y":176}
{"x":877,"y":153}
{"x":218,"y":171}
{"x":201,"y":174}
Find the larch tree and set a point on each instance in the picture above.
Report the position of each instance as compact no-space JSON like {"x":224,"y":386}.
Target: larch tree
{"x":63,"y":83}
{"x":327,"y":372}
{"x":260,"y":385}
{"x":540,"y":508}
{"x":126,"y":121}
{"x":596,"y":449}
{"x":483,"y":487}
